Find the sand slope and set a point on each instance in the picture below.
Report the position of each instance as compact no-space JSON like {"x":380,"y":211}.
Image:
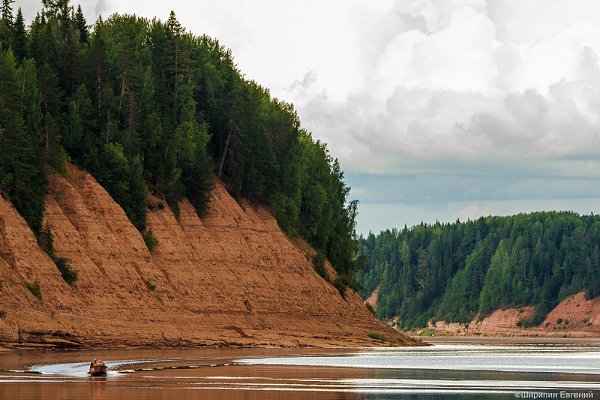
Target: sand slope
{"x":230,"y":278}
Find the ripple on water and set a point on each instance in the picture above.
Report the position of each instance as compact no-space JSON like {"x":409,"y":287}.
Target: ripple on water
{"x":557,"y":359}
{"x":445,"y":370}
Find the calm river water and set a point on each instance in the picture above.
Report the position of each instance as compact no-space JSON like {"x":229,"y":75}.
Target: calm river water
{"x":442,"y":371}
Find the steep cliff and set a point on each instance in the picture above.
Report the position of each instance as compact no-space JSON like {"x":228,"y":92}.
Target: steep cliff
{"x":230,"y":278}
{"x":575,"y":316}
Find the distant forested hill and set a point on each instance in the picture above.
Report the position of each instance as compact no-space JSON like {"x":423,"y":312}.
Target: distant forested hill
{"x":146,"y":106}
{"x":453,"y":271}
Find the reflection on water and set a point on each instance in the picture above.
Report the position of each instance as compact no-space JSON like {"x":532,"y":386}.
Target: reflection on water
{"x":457,"y":357}
{"x":448,"y":371}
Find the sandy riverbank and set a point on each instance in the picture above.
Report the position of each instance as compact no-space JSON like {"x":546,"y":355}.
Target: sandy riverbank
{"x":499,"y":340}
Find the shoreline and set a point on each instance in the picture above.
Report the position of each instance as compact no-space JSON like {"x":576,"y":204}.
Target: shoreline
{"x":509,"y":340}
{"x":32,"y":346}
{"x":420,"y":341}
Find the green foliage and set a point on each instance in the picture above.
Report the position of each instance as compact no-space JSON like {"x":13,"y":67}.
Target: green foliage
{"x":81,"y":25}
{"x":19,"y":37}
{"x":151,"y":286}
{"x":123,"y":179}
{"x":22,"y":175}
{"x":341,"y":287}
{"x":497,"y":290}
{"x":453,"y":272}
{"x":150,"y":240}
{"x":428,"y":332}
{"x":319,"y":264}
{"x":145,"y":106}
{"x":526,"y":323}
{"x":68,"y":274}
{"x":370,"y":308}
{"x":46,"y":241}
{"x":7,"y":11}
{"x":377,"y":336}
{"x":198,"y":167}
{"x":35,"y":288}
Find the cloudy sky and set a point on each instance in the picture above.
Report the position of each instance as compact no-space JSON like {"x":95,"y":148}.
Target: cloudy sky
{"x":436,"y":109}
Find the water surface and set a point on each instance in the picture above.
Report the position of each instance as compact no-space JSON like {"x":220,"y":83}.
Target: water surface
{"x":442,"y":371}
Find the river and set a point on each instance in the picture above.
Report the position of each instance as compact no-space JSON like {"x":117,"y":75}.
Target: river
{"x":445,"y":370}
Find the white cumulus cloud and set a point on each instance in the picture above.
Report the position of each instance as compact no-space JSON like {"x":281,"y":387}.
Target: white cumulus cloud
{"x":437,"y":109}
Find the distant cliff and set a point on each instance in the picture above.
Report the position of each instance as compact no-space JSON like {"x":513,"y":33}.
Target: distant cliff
{"x":466,"y":272}
{"x":574,"y":317}
{"x":230,"y":278}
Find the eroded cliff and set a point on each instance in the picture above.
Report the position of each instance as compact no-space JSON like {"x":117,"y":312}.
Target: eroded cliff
{"x":575,"y":316}
{"x":230,"y":278}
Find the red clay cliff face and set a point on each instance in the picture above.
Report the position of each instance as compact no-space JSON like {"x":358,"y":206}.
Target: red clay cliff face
{"x":230,"y":278}
{"x":575,"y":313}
{"x":573,"y":317}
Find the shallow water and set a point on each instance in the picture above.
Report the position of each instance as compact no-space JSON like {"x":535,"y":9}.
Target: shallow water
{"x":442,"y":371}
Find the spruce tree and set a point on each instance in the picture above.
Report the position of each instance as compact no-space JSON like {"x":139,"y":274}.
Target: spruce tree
{"x":81,"y":25}
{"x":19,"y":97}
{"x":19,"y":43}
{"x":6,"y":24}
{"x":7,"y":12}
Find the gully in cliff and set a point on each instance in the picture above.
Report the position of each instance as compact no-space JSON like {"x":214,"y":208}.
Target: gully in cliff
{"x":97,"y":368}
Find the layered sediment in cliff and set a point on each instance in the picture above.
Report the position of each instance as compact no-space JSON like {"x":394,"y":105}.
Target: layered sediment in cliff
{"x":229,"y":278}
{"x":575,"y":316}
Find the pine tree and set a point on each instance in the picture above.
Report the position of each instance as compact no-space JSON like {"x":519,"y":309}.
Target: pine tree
{"x":175,"y":32}
{"x":197,"y":174}
{"x":19,"y":44}
{"x":81,"y":26}
{"x":6,"y":24}
{"x":21,"y":148}
{"x":52,"y":97}
{"x":138,"y":195}
{"x":7,"y":12}
{"x":71,"y":68}
{"x":137,"y":101}
{"x":79,"y":139}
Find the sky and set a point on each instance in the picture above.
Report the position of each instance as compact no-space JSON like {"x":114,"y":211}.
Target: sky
{"x":437,"y":110}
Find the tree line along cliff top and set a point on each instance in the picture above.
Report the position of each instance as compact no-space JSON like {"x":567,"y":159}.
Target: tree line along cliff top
{"x":147,"y":107}
{"x":464,"y":270}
